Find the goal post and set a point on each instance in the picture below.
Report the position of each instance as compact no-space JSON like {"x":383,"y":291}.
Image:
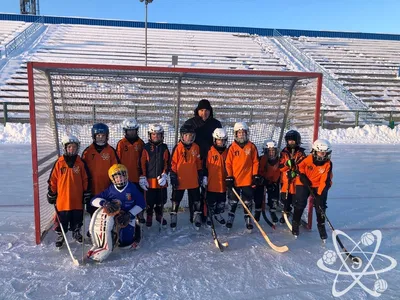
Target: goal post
{"x":70,"y":98}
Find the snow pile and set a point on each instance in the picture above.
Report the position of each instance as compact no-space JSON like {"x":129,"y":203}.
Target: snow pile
{"x":369,"y":134}
{"x":15,"y":133}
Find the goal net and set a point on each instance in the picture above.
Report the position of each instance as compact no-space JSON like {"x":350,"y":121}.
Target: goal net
{"x":70,"y":98}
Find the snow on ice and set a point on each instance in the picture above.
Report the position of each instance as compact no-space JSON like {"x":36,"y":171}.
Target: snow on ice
{"x":185,"y":264}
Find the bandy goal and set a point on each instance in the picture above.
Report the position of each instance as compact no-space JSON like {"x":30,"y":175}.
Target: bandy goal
{"x":70,"y":98}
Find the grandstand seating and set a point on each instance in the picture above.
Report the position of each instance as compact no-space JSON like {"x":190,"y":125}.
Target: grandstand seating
{"x":368,"y":68}
{"x":9,"y":29}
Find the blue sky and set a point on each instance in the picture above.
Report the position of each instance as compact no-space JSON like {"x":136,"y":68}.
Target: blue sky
{"x":380,"y":16}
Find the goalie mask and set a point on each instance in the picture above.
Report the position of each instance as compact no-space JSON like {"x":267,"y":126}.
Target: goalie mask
{"x":156,"y":134}
{"x":241,"y":132}
{"x":130,"y":127}
{"x":220,"y":138}
{"x":118,"y":175}
{"x":321,"y":150}
{"x":100,"y":134}
{"x":270,"y":149}
{"x":70,"y":145}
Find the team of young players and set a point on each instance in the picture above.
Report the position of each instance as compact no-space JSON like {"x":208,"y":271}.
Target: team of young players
{"x":135,"y":168}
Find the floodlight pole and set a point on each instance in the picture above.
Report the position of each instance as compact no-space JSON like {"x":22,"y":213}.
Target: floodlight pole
{"x":146,"y":2}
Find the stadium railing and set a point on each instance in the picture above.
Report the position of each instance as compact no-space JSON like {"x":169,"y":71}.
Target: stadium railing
{"x":22,"y":37}
{"x":331,"y":83}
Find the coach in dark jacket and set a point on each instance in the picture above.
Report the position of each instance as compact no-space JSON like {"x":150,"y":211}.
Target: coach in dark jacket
{"x":204,"y":125}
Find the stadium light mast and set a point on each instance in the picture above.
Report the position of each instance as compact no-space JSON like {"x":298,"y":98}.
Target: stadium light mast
{"x":146,"y":2}
{"x":29,"y":7}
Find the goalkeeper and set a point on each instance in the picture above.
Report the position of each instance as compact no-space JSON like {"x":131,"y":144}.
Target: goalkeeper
{"x":113,"y":223}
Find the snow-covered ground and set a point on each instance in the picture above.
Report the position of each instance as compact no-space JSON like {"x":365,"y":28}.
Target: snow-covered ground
{"x":185,"y":264}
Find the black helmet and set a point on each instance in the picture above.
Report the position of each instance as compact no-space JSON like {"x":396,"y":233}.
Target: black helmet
{"x":293,"y":135}
{"x":185,"y":129}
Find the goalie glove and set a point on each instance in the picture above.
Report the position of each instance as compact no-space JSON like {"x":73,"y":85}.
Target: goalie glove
{"x":162,"y":179}
{"x":144,"y":184}
{"x":112,"y":208}
{"x":123,"y":219}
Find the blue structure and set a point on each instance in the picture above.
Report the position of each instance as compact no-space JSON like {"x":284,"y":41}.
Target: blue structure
{"x":172,"y":26}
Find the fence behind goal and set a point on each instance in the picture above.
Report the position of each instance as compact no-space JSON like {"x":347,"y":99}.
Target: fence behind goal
{"x":70,"y":98}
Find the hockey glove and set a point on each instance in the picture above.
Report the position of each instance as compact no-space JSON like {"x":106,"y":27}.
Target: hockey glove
{"x":122,"y":219}
{"x":111,"y":208}
{"x":256,"y":180}
{"x":291,"y":175}
{"x":290,"y":163}
{"x":229,"y":182}
{"x":304,"y":179}
{"x":143,"y":183}
{"x":51,"y":197}
{"x":162,"y":179}
{"x":205,"y":181}
{"x":200,"y":177}
{"x":86,"y":197}
{"x":174,"y":180}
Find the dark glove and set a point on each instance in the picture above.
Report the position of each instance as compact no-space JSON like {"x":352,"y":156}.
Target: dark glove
{"x":200,"y":177}
{"x":256,"y":180}
{"x":174,"y":180}
{"x":272,"y":187}
{"x":229,"y":182}
{"x":111,"y":208}
{"x":304,"y":180}
{"x":86,"y":197}
{"x":291,"y":175}
{"x":51,"y":197}
{"x":291,"y":163}
{"x":123,"y":218}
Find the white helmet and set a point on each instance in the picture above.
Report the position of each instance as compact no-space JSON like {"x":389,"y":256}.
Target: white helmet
{"x":156,"y":128}
{"x":70,"y":139}
{"x":220,"y":134}
{"x":322,"y":145}
{"x":130,"y":123}
{"x":241,"y":126}
{"x":270,"y":144}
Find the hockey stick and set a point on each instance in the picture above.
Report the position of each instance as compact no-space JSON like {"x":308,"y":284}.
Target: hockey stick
{"x":83,"y":234}
{"x":74,"y":260}
{"x":285,"y":216}
{"x":290,"y":181}
{"x":218,"y":244}
{"x":264,"y":215}
{"x":354,"y":259}
{"x":266,"y":238}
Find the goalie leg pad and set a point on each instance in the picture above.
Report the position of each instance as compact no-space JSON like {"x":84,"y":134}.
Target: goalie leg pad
{"x":103,"y":237}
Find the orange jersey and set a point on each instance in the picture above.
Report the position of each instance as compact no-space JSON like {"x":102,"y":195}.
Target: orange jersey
{"x":286,"y":154}
{"x":129,"y":155}
{"x":320,"y":176}
{"x":242,"y":163}
{"x":154,"y":162}
{"x":271,"y":173}
{"x":186,"y":163}
{"x":69,"y":183}
{"x":98,"y":164}
{"x":215,"y":166}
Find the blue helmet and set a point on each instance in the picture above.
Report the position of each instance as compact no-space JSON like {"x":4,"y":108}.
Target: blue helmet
{"x":100,"y":128}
